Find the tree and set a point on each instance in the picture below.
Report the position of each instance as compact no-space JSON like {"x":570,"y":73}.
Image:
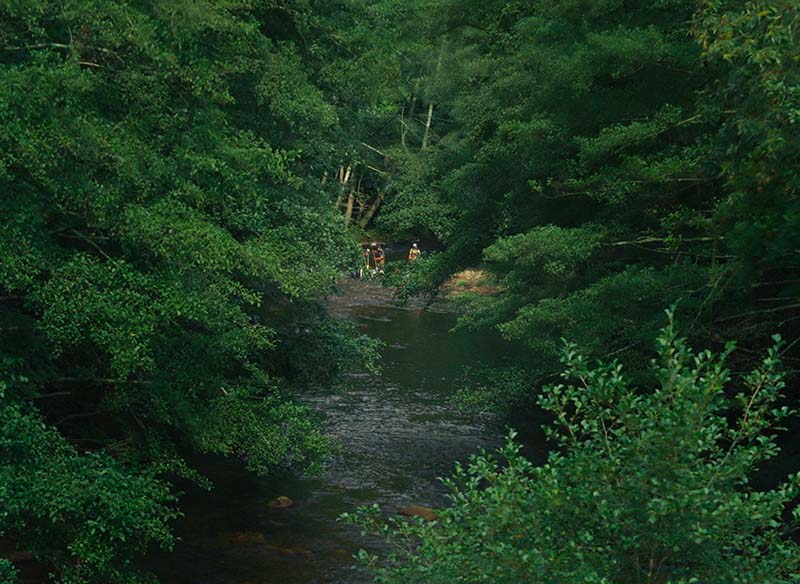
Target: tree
{"x":166,"y":244}
{"x":604,"y":159}
{"x":756,"y":97}
{"x":645,"y":486}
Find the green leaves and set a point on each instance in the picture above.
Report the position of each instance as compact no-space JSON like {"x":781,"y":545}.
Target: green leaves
{"x":167,"y":244}
{"x":758,"y":99}
{"x":547,"y":250}
{"x":647,"y":485}
{"x":109,"y":303}
{"x":602,"y":160}
{"x":86,"y":512}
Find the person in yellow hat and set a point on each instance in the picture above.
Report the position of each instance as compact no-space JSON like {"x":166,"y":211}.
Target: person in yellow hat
{"x":413,"y":253}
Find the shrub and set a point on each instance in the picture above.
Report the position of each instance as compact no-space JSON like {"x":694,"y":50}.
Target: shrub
{"x":643,"y":487}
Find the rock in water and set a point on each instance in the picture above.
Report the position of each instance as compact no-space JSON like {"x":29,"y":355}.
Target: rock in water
{"x":426,"y":513}
{"x":19,"y":556}
{"x":246,"y":537}
{"x":281,"y":502}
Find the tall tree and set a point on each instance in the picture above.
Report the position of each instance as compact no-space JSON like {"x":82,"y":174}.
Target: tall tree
{"x":604,"y":159}
{"x":165,"y":244}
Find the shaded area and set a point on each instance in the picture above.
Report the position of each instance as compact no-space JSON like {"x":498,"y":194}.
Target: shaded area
{"x":397,"y":434}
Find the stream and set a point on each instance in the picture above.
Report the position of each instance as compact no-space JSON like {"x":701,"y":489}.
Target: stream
{"x":397,"y":432}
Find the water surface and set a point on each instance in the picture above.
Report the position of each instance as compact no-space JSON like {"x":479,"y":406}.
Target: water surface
{"x":397,"y":431}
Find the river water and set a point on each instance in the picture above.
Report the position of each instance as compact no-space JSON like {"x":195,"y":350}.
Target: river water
{"x":397,"y":432}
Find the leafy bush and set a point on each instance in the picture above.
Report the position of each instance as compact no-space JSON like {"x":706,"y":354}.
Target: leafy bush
{"x":644,"y":487}
{"x":98,"y":513}
{"x":495,"y":389}
{"x":8,"y":573}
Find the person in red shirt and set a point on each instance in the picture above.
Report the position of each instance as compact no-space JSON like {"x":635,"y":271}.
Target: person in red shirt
{"x":380,"y":259}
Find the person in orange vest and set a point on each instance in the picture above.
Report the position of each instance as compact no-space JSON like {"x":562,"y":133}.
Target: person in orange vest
{"x":413,"y":253}
{"x":379,"y":259}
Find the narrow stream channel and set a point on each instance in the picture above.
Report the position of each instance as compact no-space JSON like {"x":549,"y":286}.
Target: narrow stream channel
{"x":397,"y":431}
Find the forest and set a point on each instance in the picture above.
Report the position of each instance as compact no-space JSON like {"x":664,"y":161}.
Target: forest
{"x":606,"y":196}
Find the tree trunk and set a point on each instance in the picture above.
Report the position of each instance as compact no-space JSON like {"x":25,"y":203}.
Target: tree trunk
{"x":426,"y":135}
{"x":403,"y":128}
{"x":413,"y":107}
{"x":344,"y":177}
{"x":427,"y":127}
{"x":348,"y":214}
{"x":359,"y":201}
{"x":373,"y":208}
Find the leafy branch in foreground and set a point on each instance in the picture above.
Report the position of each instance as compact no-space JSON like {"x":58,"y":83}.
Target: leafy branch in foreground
{"x":645,"y":487}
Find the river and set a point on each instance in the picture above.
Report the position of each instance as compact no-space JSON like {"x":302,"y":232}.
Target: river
{"x":397,"y":432}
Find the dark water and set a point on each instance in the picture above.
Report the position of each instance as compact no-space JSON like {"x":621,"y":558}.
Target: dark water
{"x":397,"y":431}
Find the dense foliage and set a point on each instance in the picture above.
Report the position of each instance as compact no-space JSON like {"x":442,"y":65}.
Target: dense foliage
{"x":165,"y":242}
{"x":644,"y":487}
{"x":181,"y":182}
{"x":604,"y":159}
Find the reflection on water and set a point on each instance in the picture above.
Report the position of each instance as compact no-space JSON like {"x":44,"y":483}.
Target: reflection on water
{"x":397,"y":434}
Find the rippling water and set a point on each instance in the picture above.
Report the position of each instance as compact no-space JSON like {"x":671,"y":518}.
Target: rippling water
{"x":397,"y":434}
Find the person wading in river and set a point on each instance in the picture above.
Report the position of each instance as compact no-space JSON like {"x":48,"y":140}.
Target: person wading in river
{"x":413,"y":253}
{"x":379,"y":259}
{"x":367,"y":259}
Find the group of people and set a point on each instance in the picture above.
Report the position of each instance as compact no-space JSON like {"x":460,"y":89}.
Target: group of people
{"x":375,"y":258}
